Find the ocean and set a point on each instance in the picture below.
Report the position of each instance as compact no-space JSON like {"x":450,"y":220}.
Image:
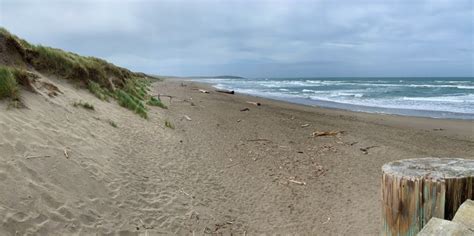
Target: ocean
{"x":426,"y":97}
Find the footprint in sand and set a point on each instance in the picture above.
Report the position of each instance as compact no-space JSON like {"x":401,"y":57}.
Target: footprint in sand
{"x":87,"y":219}
{"x":3,"y":176}
{"x":64,"y":211}
{"x":40,"y":219}
{"x":7,"y":150}
{"x":50,"y":201}
{"x":20,"y":147}
{"x":33,"y":175}
{"x":19,"y":217}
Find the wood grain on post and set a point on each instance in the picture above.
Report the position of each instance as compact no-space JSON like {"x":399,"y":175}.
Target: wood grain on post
{"x":414,"y":190}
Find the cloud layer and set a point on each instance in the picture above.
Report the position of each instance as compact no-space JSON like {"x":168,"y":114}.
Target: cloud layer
{"x":257,"y":38}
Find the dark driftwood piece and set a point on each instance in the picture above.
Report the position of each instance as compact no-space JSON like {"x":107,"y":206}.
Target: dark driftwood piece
{"x":415,"y":190}
{"x":225,"y":91}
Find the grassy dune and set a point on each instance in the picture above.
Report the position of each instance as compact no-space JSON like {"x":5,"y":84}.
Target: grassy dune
{"x":105,"y":80}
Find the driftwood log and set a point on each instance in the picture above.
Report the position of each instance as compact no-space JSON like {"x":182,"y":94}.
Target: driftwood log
{"x":415,"y":190}
{"x":225,"y":91}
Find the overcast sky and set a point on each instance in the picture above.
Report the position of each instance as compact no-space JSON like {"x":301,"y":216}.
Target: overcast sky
{"x":292,"y":38}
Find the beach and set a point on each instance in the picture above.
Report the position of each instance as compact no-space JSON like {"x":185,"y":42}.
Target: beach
{"x":212,"y":163}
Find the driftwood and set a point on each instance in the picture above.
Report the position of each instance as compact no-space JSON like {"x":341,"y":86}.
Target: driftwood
{"x":34,"y":157}
{"x":297,"y":182}
{"x":203,"y":91}
{"x":366,"y":149}
{"x":255,"y":103}
{"x":258,"y":140}
{"x":415,"y":190}
{"x":66,"y":154}
{"x":326,"y":133}
{"x":225,"y":91}
{"x":245,"y":109}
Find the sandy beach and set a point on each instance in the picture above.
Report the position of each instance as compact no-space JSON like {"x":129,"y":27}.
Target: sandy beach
{"x":214,"y":169}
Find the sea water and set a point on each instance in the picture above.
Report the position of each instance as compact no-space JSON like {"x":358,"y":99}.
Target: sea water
{"x":427,"y":97}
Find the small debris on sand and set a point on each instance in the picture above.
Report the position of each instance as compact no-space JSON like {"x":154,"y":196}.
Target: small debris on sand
{"x":259,"y":140}
{"x":245,"y":109}
{"x":255,"y":103}
{"x":66,"y":154}
{"x":304,"y":125}
{"x":366,"y":150}
{"x":297,"y":182}
{"x":326,"y":133}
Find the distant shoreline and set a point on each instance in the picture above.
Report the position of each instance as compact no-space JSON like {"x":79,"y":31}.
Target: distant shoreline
{"x":216,"y":77}
{"x":314,"y":102}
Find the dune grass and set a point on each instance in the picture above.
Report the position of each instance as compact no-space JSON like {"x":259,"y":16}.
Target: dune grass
{"x":156,"y":102}
{"x":169,"y":124}
{"x":8,"y":84}
{"x":132,"y":103}
{"x":112,"y":123}
{"x":101,"y":78}
{"x":84,"y":105}
{"x":99,"y":91}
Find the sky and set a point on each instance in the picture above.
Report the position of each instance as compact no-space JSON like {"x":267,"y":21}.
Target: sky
{"x":257,"y":38}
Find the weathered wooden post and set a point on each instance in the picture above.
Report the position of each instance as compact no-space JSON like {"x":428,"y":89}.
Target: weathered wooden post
{"x":414,"y":190}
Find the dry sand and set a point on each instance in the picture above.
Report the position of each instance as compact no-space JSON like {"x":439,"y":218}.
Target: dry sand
{"x":224,"y":171}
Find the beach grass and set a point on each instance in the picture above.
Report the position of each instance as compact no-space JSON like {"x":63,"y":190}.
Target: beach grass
{"x":8,"y":83}
{"x":99,"y":91}
{"x":112,"y":123}
{"x":132,"y":103}
{"x":84,"y":105}
{"x":101,"y":78}
{"x":156,"y":102}
{"x":169,"y":124}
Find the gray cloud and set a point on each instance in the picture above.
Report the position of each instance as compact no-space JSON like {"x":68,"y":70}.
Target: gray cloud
{"x":257,"y":38}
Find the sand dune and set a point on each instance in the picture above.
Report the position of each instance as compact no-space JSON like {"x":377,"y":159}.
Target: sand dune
{"x":95,"y":189}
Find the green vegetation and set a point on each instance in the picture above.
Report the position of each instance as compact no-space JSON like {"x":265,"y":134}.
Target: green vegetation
{"x":8,"y":84}
{"x":132,"y":103}
{"x":113,"y":124}
{"x":98,"y":91}
{"x":169,"y":124}
{"x":156,"y":102}
{"x":84,"y":105}
{"x":101,"y":78}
